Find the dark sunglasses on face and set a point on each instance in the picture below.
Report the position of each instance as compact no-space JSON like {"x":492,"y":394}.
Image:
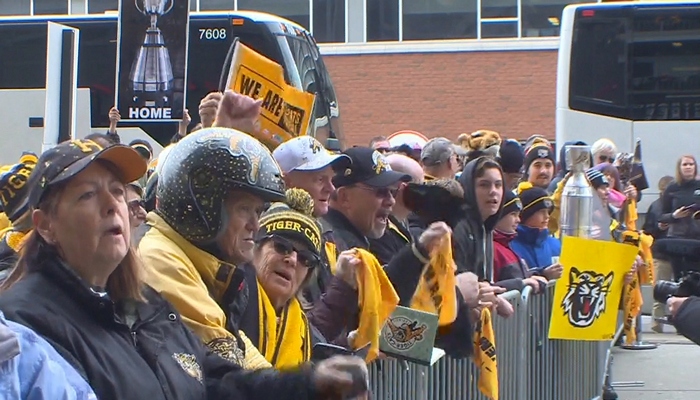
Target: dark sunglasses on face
{"x":382,"y":150}
{"x":381,"y":193}
{"x":604,"y":158}
{"x":136,"y":204}
{"x":284,"y":247}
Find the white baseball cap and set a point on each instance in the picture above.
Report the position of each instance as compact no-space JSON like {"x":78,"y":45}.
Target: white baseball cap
{"x":305,"y":153}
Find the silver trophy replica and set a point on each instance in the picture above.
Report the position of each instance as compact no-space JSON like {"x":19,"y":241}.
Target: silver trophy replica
{"x":151,"y":71}
{"x":577,"y":196}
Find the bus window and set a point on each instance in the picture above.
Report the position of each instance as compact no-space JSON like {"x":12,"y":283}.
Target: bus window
{"x":23,"y":56}
{"x":97,"y":58}
{"x":665,"y":64}
{"x":210,"y":40}
{"x":599,"y":63}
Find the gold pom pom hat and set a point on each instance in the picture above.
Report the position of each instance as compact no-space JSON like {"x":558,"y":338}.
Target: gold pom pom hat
{"x":293,"y":220}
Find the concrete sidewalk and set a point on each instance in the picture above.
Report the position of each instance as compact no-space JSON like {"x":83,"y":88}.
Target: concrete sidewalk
{"x":669,"y":372}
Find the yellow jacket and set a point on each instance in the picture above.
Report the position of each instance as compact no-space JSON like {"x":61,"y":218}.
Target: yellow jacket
{"x":189,"y":278}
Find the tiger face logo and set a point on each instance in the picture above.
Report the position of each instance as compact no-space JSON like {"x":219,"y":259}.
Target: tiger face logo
{"x":586,"y":299}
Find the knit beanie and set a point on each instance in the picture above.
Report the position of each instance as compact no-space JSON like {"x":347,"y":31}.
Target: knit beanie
{"x":511,"y":156}
{"x":293,"y":220}
{"x":596,"y":178}
{"x":511,"y":203}
{"x":538,"y":151}
{"x":14,"y":190}
{"x":534,"y":199}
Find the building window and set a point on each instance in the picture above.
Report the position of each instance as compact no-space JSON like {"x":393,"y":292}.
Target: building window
{"x":493,"y":30}
{"x":100,"y":6}
{"x":329,"y":21}
{"x":382,"y":20}
{"x":51,"y":7}
{"x":215,"y":5}
{"x":542,"y":17}
{"x":293,"y":10}
{"x":439,"y":19}
{"x":15,"y":7}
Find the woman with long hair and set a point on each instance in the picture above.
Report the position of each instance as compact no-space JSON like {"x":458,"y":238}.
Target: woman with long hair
{"x":77,"y":283}
{"x":681,"y":199}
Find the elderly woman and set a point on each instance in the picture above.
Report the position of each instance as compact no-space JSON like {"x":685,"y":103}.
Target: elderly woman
{"x":287,"y":251}
{"x":137,"y":211}
{"x":77,"y":284}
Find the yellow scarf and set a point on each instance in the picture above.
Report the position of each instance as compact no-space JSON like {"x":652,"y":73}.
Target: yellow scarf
{"x":4,"y":221}
{"x":377,"y":300}
{"x":436,"y":289}
{"x":632,"y":294}
{"x":13,"y":238}
{"x":485,"y":356}
{"x":285,"y":341}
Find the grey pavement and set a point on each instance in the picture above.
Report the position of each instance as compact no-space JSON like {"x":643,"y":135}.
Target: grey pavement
{"x":669,"y":372}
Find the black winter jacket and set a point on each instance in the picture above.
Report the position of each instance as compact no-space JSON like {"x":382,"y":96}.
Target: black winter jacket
{"x":675,"y":196}
{"x":472,"y":238}
{"x":150,"y":355}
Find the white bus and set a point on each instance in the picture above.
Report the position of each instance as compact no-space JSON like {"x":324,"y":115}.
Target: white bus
{"x":23,"y":70}
{"x":631,"y":70}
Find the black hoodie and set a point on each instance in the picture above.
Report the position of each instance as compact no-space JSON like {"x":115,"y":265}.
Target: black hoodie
{"x":472,"y":238}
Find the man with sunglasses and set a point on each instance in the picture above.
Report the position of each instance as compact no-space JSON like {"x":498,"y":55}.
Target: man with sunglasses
{"x":360,"y":209}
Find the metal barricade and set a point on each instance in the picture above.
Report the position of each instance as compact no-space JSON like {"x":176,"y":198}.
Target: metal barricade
{"x":559,"y":369}
{"x":530,"y":366}
{"x":457,"y":379}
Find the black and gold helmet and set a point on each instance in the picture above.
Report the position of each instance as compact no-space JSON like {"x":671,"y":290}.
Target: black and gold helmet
{"x":199,"y":172}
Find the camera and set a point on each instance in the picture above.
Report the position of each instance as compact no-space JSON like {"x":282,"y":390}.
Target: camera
{"x":687,"y":286}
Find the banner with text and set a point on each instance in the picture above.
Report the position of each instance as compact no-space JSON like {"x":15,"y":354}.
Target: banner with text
{"x":286,"y":110}
{"x":587,"y":296}
{"x":152,"y":59}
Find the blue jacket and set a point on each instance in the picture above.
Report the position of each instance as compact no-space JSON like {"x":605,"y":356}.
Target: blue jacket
{"x":536,"y":247}
{"x":31,"y":369}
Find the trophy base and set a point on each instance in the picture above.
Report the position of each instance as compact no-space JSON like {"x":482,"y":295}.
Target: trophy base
{"x":152,"y":71}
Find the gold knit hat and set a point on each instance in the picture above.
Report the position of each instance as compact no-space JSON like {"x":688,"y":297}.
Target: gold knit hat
{"x":292,"y":219}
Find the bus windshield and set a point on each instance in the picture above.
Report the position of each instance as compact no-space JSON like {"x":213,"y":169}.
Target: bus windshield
{"x":637,"y":63}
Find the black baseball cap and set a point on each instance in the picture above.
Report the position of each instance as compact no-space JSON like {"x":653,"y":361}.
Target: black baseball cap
{"x":69,"y":158}
{"x":368,"y":167}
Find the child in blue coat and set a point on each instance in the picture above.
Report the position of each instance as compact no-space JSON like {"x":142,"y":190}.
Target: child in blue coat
{"x":533,"y":243}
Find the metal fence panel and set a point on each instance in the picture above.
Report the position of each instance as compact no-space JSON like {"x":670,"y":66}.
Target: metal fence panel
{"x":529,"y":365}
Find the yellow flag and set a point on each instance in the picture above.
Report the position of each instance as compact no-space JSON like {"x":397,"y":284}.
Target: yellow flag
{"x":485,"y":356}
{"x":436,"y":289}
{"x":285,"y":110}
{"x":632,"y":305}
{"x":587,"y":296}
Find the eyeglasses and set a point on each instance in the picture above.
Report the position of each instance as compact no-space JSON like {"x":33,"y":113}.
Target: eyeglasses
{"x":284,"y":247}
{"x":134,"y":205}
{"x":381,"y":193}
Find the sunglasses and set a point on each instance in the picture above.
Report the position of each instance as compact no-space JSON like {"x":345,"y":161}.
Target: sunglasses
{"x":381,"y":193}
{"x":136,"y":204}
{"x":284,"y":247}
{"x":604,"y":158}
{"x":383,"y":150}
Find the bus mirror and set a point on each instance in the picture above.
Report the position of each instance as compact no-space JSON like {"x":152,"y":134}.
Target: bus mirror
{"x":333,"y":144}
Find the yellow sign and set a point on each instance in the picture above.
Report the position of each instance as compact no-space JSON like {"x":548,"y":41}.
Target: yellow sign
{"x":587,"y":297}
{"x":286,"y":110}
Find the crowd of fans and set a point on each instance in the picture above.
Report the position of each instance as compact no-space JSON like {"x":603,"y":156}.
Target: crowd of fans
{"x":215,"y":269}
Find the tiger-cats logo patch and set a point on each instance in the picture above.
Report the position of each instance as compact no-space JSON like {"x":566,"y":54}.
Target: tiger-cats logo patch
{"x":585,"y":300}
